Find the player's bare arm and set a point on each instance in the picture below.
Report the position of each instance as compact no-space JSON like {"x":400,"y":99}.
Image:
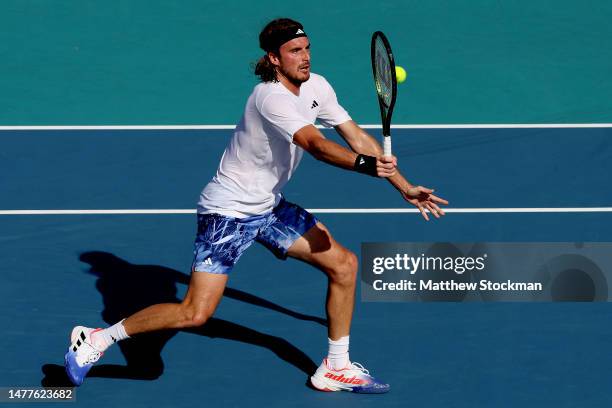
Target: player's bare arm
{"x":312,"y":140}
{"x":421,"y":197}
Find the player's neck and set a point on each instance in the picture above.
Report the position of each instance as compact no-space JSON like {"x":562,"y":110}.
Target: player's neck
{"x":292,"y":86}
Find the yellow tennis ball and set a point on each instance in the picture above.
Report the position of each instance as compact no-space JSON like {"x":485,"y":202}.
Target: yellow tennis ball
{"x":400,"y":74}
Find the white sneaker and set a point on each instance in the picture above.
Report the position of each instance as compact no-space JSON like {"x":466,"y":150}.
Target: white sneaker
{"x":354,"y":378}
{"x":81,"y":355}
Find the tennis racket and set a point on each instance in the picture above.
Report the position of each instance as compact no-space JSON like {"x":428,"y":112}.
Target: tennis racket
{"x":383,"y":69}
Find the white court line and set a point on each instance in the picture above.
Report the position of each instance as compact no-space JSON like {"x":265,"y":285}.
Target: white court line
{"x":461,"y":210}
{"x":366,"y":126}
{"x":321,"y":211}
{"x":499,"y":126}
{"x":123,"y":127}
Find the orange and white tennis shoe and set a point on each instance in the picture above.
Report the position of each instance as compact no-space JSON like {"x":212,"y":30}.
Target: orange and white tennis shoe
{"x":353,"y":378}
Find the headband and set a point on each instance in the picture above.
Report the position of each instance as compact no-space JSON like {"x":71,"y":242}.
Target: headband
{"x":282,"y":36}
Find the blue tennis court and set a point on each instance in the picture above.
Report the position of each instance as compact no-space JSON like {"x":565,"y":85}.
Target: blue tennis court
{"x":60,"y":270}
{"x":108,"y":133}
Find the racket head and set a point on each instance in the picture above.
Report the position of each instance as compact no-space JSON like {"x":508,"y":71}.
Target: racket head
{"x":385,"y":82}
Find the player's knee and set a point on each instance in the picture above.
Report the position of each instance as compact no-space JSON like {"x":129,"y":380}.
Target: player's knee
{"x":345,"y":271}
{"x":199,"y":319}
{"x":352,"y":265}
{"x":196,"y":315}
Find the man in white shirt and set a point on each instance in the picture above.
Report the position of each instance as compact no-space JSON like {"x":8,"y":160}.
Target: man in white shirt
{"x":243,"y":203}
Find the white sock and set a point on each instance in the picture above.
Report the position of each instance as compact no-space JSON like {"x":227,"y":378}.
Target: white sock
{"x":103,"y":339}
{"x":338,"y":355}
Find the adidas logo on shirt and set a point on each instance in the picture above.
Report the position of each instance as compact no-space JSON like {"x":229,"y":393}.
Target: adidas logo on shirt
{"x":314,"y":104}
{"x":208,"y":261}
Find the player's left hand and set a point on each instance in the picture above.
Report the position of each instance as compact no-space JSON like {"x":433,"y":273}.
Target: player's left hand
{"x":423,"y":199}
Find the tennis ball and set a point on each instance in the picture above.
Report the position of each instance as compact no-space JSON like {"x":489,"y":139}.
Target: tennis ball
{"x":400,"y":74}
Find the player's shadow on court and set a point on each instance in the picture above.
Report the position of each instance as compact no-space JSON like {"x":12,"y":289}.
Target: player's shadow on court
{"x":127,"y":288}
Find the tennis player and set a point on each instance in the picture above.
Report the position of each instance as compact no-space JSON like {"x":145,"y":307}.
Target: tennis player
{"x":243,"y":203}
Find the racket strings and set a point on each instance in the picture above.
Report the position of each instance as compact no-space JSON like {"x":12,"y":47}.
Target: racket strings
{"x":384,"y":81}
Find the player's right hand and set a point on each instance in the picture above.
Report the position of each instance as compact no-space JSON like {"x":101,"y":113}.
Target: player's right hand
{"x":386,"y":166}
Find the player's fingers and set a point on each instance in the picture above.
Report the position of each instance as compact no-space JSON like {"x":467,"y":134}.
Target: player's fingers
{"x":425,"y":190}
{"x":423,"y":213}
{"x":432,"y":210}
{"x":437,"y":199}
{"x":438,"y":209}
{"x":387,"y":161}
{"x":385,"y":170}
{"x":385,"y":173}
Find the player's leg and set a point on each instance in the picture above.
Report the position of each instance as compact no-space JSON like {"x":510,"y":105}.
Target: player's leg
{"x":204,"y":294}
{"x":293,"y":231}
{"x":318,"y":248}
{"x":88,"y":344}
{"x":298,"y":234}
{"x":336,"y":373}
{"x":219,"y":243}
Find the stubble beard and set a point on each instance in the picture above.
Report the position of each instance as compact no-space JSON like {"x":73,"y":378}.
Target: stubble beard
{"x":294,"y":78}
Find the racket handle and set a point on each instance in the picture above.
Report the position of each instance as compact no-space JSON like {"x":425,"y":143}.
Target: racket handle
{"x":387,"y":146}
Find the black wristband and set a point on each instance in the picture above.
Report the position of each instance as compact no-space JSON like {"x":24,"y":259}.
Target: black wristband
{"x":366,"y":165}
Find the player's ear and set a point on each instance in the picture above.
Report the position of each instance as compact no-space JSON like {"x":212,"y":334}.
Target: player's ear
{"x":274,"y":59}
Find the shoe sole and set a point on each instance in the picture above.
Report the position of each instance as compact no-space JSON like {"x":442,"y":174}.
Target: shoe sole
{"x":323,"y":385}
{"x":320,"y":385}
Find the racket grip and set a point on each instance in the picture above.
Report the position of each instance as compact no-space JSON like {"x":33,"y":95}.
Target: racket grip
{"x":387,"y":146}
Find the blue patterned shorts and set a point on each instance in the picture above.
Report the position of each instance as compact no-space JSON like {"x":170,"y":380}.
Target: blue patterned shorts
{"x":221,"y":240}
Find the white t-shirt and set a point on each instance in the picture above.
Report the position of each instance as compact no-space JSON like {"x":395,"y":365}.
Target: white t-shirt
{"x":261,"y":156}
